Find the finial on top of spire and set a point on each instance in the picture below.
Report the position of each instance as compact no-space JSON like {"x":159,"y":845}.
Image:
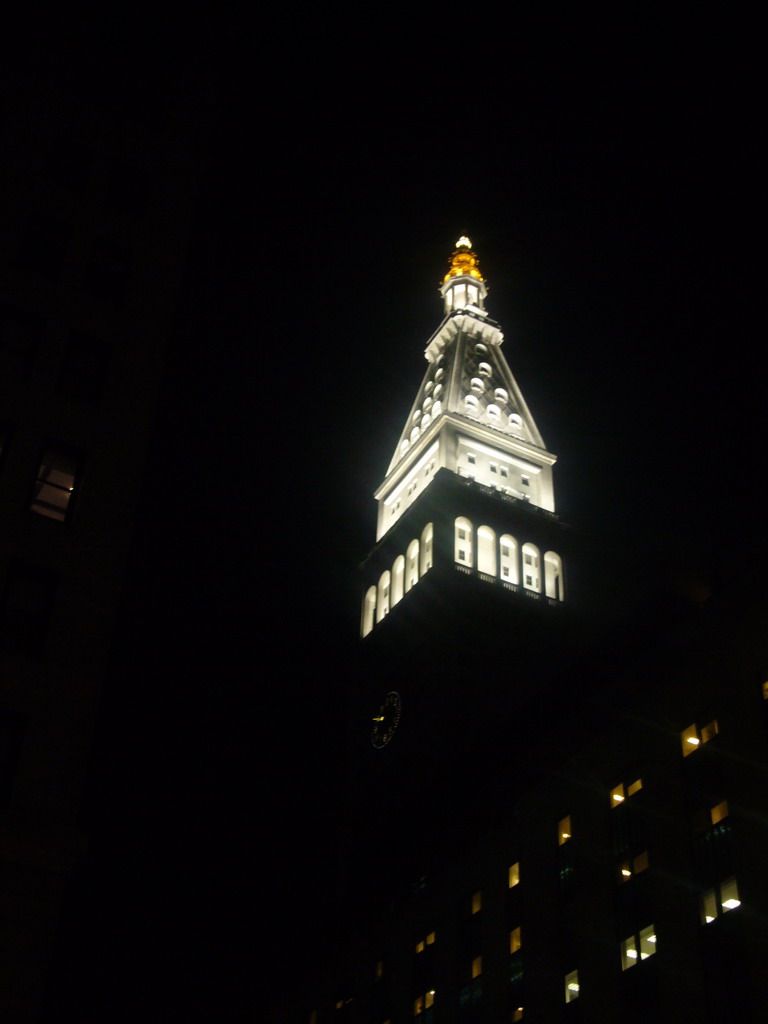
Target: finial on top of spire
{"x":463,"y":261}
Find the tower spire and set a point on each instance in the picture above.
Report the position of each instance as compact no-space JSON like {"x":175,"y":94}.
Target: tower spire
{"x":469,"y":487}
{"x":469,"y":414}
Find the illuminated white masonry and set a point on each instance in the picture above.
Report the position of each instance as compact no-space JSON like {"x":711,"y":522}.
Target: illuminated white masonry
{"x":469,"y":415}
{"x":470,"y":419}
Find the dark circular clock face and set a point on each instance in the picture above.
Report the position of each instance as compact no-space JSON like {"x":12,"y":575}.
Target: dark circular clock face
{"x":385,"y":720}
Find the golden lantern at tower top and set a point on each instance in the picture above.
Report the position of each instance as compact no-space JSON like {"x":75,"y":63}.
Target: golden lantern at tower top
{"x":463,"y":261}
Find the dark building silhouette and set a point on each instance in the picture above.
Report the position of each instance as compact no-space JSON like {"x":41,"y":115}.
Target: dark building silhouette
{"x":552,"y":816}
{"x":99,"y":172}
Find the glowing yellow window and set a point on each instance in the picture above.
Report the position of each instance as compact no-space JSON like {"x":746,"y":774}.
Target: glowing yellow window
{"x":422,"y":1003}
{"x":420,"y":946}
{"x":477,"y":967}
{"x":514,"y":875}
{"x":708,"y":906}
{"x":564,"y":830}
{"x":617,"y":795}
{"x":633,"y":787}
{"x":517,"y":1014}
{"x":430,"y":939}
{"x":571,"y":986}
{"x":719,"y":811}
{"x":628,"y":953}
{"x":477,"y":902}
{"x":765,"y":690}
{"x":709,"y":731}
{"x":515,"y":941}
{"x":729,"y":895}
{"x":629,"y":868}
{"x":690,"y":740}
{"x":693,"y":737}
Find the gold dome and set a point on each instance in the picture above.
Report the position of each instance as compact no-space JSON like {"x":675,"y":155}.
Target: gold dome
{"x":463,"y":262}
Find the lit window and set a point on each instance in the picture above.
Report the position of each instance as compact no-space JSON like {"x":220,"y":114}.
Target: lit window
{"x":718,"y":812}
{"x":621,"y":792}
{"x":463,"y":551}
{"x":369,"y":609}
{"x":517,"y":1014}
{"x":709,"y":731}
{"x":690,"y":739}
{"x":693,"y":737}
{"x":55,"y":485}
{"x":477,"y":967}
{"x":571,"y":986}
{"x":629,"y":868}
{"x":514,"y":875}
{"x":765,"y":690}
{"x":564,"y":830}
{"x":423,"y":1002}
{"x":428,"y":940}
{"x":628,"y":953}
{"x":514,"y":940}
{"x":638,"y":947}
{"x":486,"y":550}
{"x":477,"y":902}
{"x":531,"y":559}
{"x":720,"y":900}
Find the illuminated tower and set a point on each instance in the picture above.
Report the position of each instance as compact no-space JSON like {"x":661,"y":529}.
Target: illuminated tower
{"x":471,"y":430}
{"x":464,"y":610}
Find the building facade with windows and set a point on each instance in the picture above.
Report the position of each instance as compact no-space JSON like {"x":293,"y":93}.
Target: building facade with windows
{"x":546,"y":820}
{"x":99,"y":175}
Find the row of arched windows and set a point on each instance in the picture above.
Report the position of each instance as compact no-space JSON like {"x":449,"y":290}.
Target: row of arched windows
{"x":405,"y":573}
{"x":503,"y":558}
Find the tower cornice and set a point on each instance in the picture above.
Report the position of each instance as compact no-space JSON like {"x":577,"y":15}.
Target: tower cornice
{"x":471,"y":319}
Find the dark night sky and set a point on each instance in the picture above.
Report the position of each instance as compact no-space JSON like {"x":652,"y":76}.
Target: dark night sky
{"x":609,"y":179}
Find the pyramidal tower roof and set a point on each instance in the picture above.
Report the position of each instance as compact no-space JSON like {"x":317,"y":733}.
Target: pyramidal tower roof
{"x":469,"y":411}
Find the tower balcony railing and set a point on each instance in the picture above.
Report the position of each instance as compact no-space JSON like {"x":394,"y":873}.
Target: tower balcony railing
{"x":497,"y":492}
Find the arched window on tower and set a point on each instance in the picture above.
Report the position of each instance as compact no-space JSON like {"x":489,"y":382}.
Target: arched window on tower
{"x":382,"y":604}
{"x":463,"y":541}
{"x":411,"y":565}
{"x":531,"y":568}
{"x":398,"y":575}
{"x":426,"y":549}
{"x":508,"y":552}
{"x":369,"y":610}
{"x":486,"y":550}
{"x":553,"y":576}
